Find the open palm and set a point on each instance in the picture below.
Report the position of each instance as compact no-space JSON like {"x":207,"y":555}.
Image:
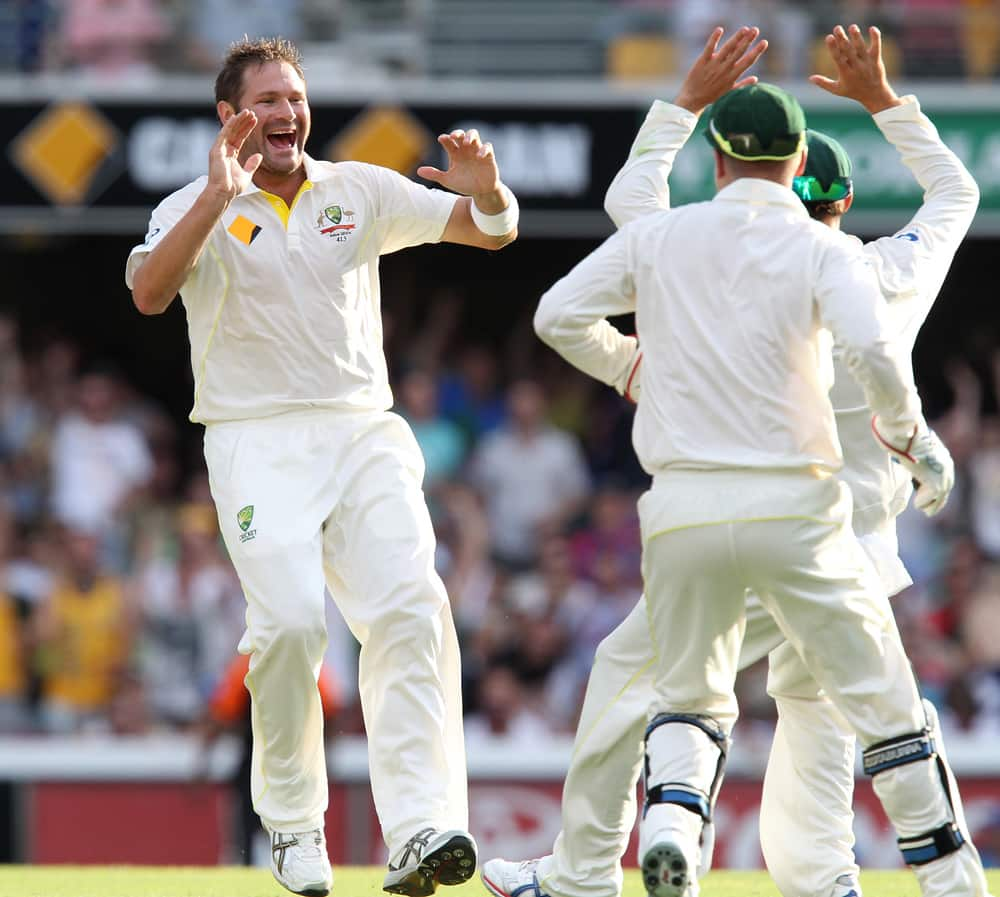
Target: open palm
{"x":226,"y":173}
{"x":472,"y":168}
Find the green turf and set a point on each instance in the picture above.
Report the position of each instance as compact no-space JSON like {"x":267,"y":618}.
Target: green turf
{"x":355,"y":881}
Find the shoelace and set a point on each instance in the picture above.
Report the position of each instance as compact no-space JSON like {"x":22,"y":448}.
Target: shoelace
{"x":312,"y":851}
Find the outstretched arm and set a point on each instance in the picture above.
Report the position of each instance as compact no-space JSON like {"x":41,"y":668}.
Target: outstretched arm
{"x":914,"y":262}
{"x":487,"y":214}
{"x":640,"y":187}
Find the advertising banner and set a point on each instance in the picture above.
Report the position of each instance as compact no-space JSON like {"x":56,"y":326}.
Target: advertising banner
{"x":99,"y":166}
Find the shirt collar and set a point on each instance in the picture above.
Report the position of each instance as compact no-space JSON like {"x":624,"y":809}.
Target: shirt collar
{"x":314,"y":172}
{"x":758,"y":191}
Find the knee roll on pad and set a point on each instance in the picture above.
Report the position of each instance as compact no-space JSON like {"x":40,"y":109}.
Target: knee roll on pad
{"x":898,"y":752}
{"x":694,"y":779}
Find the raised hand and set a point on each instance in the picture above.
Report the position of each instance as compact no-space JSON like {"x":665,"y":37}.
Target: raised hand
{"x":717,"y":70}
{"x":860,"y":71}
{"x":227,"y":176}
{"x":472,"y":169}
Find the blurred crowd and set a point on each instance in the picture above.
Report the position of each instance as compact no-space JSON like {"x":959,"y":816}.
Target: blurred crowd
{"x":630,"y":38}
{"x":119,"y":611}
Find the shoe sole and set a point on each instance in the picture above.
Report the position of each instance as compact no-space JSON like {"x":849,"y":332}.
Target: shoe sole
{"x":453,"y":863}
{"x":664,"y":871}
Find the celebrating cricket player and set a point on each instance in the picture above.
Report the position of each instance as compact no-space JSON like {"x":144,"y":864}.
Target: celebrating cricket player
{"x":316,"y":483}
{"x":810,"y":778}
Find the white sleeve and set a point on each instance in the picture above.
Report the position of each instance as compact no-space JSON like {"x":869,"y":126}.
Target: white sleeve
{"x":852,"y":308}
{"x":408,"y":213}
{"x":164,"y":217}
{"x":640,"y":187}
{"x":571,"y":315}
{"x":913,"y":263}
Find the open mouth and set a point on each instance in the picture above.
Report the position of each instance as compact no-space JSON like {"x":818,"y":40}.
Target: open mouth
{"x":281,"y":139}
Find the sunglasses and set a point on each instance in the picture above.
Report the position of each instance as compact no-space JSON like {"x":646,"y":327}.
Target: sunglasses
{"x":809,"y":189}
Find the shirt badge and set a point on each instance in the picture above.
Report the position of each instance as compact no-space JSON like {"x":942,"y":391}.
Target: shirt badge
{"x":336,"y":222}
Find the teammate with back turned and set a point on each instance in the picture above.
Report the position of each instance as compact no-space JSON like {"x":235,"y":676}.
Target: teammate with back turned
{"x":806,"y":809}
{"x":316,"y":483}
{"x":742,"y":497}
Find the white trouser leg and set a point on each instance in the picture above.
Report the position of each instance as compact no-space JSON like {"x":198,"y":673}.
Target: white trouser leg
{"x":858,"y":661}
{"x":599,"y":794}
{"x":379,"y":554}
{"x":696,"y":604}
{"x":599,"y":803}
{"x":808,"y":786}
{"x":278,"y":558}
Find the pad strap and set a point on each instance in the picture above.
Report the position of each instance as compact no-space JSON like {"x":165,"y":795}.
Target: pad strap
{"x":683,"y":795}
{"x":931,"y":846}
{"x":898,"y":752}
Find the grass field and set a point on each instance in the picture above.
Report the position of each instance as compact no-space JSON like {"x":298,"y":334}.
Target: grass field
{"x":354,"y":881}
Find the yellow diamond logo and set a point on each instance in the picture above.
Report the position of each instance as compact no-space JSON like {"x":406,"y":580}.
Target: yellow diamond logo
{"x":384,"y":136}
{"x":63,"y":149}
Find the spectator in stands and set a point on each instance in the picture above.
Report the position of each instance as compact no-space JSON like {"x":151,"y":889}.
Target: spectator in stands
{"x":112,"y":38}
{"x":85,"y":634}
{"x":13,"y":641}
{"x":215,"y":24}
{"x":533,"y":476}
{"x":503,"y":713}
{"x":99,"y":461}
{"x":441,"y":441}
{"x":612,"y":528}
{"x":470,"y":395}
{"x":984,"y":488}
{"x":469,"y":573}
{"x":191,"y":619}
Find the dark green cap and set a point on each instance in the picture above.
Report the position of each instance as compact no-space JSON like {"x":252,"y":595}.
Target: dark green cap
{"x":828,"y":170}
{"x":757,"y":123}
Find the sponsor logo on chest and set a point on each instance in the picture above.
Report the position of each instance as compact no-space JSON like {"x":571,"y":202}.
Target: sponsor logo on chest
{"x":336,"y":222}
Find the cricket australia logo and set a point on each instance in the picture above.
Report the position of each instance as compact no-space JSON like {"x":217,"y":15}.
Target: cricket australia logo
{"x":336,"y":222}
{"x":244,"y":517}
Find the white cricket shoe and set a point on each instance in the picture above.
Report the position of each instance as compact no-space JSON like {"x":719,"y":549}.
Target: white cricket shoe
{"x":504,"y":878}
{"x":665,"y":871}
{"x":431,"y":858}
{"x":669,"y":851}
{"x":846,"y":886}
{"x":299,"y":862}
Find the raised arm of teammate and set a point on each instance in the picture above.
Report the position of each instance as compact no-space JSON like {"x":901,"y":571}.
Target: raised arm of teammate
{"x":164,"y":271}
{"x":472,"y":171}
{"x":640,"y":186}
{"x":913,"y":263}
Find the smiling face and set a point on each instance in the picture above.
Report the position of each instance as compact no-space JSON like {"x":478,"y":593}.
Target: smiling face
{"x":276,"y":94}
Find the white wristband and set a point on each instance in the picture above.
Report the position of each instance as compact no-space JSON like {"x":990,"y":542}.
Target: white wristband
{"x":502,"y":222}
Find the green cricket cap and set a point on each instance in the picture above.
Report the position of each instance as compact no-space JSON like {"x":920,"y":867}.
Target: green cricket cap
{"x":759,"y":122}
{"x":828,"y":170}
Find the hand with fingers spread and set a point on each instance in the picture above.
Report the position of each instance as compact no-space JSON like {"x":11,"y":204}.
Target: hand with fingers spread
{"x":720,"y":69}
{"x":472,"y":170}
{"x":860,"y":71}
{"x":228,"y":177}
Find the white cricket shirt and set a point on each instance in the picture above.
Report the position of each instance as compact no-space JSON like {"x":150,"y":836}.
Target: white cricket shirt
{"x":731,"y":297}
{"x":283,"y":306}
{"x":911,"y":266}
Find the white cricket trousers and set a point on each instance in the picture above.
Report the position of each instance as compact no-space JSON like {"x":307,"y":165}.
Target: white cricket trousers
{"x":333,"y":498}
{"x":708,"y":537}
{"x":808,"y":787}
